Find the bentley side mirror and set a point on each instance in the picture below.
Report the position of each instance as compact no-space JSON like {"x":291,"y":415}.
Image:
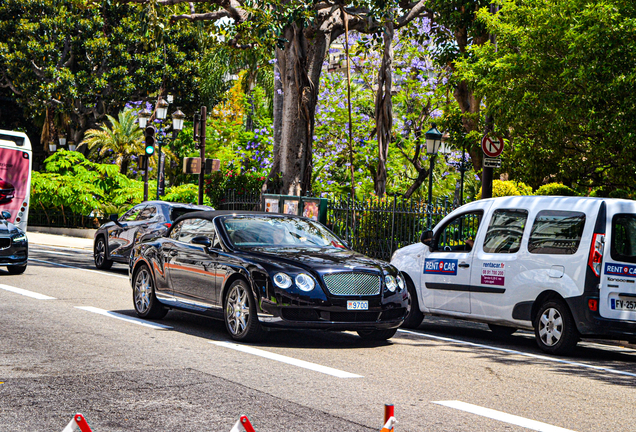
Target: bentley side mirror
{"x":202,"y":241}
{"x":6,"y":215}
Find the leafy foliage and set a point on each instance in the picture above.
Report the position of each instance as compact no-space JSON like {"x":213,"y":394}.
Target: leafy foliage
{"x":560,"y":86}
{"x":71,"y":182}
{"x":555,"y":189}
{"x":82,"y":60}
{"x":124,"y":138}
{"x":502,"y":188}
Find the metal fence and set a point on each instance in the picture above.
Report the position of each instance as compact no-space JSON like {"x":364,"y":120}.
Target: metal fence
{"x":59,"y":219}
{"x":234,"y":200}
{"x":377,"y":228}
{"x":374,"y":227}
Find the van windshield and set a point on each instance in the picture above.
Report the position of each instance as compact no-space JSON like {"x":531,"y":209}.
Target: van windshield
{"x":624,"y":238}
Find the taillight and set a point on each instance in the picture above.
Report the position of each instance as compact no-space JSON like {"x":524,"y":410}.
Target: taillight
{"x":592,"y":304}
{"x":596,"y":253}
{"x":167,"y":224}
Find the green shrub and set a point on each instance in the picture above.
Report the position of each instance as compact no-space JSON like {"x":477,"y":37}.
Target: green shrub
{"x":523,"y":188}
{"x":187,"y":193}
{"x":503,"y":188}
{"x":556,"y":189}
{"x":219,"y":182}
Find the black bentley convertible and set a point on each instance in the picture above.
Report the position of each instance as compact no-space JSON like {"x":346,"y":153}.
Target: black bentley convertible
{"x":262,"y":270}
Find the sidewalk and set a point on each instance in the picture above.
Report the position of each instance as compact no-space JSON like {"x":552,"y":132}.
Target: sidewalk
{"x":42,"y":239}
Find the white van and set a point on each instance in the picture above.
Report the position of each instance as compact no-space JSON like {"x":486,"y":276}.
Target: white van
{"x":563,"y":266}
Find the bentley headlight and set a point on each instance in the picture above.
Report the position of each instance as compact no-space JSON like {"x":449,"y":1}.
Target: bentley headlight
{"x":20,"y":238}
{"x":400,"y":282}
{"x":282,"y":280}
{"x":304,"y":282}
{"x":390,"y":282}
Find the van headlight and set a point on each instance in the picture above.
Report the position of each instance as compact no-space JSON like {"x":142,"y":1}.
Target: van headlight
{"x":304,"y":282}
{"x":20,"y":238}
{"x":282,"y":280}
{"x":390,"y":283}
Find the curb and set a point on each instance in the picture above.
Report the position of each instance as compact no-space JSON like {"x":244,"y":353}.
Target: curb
{"x":68,"y":232}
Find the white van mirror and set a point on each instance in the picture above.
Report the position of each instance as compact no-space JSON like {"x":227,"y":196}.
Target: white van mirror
{"x":427,"y":238}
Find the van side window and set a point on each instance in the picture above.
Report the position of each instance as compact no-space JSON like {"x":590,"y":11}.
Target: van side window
{"x":624,"y":238}
{"x":505,"y":231}
{"x":458,"y":234}
{"x":556,"y":232}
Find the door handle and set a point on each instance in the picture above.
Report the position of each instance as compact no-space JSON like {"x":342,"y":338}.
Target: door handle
{"x":463,"y":265}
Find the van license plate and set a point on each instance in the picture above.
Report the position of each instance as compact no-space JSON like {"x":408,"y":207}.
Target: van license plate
{"x":619,"y":304}
{"x":357,"y":305}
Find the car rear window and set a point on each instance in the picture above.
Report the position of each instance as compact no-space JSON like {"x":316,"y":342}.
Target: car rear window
{"x":624,"y":238}
{"x":505,"y":231}
{"x":556,"y":232}
{"x":175,"y":212}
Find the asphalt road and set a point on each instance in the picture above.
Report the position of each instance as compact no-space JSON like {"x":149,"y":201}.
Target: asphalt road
{"x":80,"y":349}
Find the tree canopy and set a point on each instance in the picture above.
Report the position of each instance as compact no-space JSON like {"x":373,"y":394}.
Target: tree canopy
{"x":560,"y":84}
{"x":72,"y":62}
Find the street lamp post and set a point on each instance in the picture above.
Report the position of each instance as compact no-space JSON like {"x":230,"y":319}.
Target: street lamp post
{"x":161,"y":112}
{"x":433,"y":141}
{"x":177,"y":126}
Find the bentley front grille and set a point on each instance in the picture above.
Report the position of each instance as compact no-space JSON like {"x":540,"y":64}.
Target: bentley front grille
{"x":347,"y":284}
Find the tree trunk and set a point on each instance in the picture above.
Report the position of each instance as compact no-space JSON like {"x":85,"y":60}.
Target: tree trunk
{"x":383,"y":110}
{"x":123,"y":169}
{"x":272,"y":184}
{"x":300,"y":64}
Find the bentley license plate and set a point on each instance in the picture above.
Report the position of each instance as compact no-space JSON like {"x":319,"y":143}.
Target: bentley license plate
{"x":357,"y":305}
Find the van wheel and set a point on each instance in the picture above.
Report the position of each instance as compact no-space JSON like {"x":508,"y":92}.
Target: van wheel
{"x":501,"y":331}
{"x":414,"y":315}
{"x":554,"y":328}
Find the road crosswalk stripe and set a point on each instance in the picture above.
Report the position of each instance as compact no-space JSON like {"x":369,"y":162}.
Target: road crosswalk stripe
{"x":503,"y":417}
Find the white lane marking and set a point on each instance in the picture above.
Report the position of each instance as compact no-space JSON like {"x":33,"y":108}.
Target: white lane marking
{"x":124,"y":317}
{"x":26,"y":293}
{"x":510,"y":351}
{"x":503,"y":417}
{"x":52,"y":252}
{"x":79,"y":268}
{"x":288,"y":360}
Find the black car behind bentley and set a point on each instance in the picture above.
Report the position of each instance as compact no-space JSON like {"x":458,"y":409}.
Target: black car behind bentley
{"x":114,"y":240}
{"x":260,"y":270}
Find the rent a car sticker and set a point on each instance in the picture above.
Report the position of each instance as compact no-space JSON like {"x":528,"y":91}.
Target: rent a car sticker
{"x":623,"y":270}
{"x":493,"y":273}
{"x":440,"y":266}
